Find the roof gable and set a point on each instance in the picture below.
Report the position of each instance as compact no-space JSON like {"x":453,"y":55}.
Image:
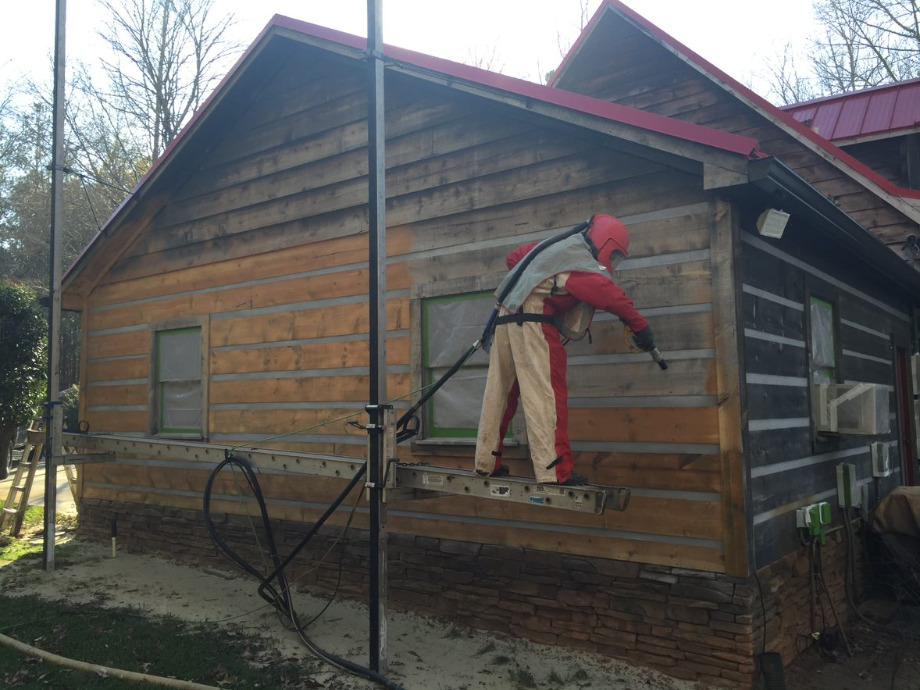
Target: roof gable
{"x":672,"y":136}
{"x":600,"y":32}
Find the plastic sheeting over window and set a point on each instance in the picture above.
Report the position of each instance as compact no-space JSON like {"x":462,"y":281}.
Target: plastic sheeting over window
{"x":179,"y":381}
{"x":823,"y":345}
{"x":181,"y":405}
{"x":456,"y":406}
{"x":451,"y":325}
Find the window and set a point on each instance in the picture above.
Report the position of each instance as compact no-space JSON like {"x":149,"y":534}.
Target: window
{"x":450,"y":324}
{"x":823,"y":319}
{"x":178,"y":385}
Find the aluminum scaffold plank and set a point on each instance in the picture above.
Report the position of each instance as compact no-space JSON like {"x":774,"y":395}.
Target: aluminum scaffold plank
{"x":411,"y":481}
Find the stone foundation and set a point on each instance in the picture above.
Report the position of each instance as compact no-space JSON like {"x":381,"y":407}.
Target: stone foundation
{"x":689,"y":624}
{"x":791,"y":618}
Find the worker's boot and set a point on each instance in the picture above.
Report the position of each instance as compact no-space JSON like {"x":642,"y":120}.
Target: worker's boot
{"x":575,"y":480}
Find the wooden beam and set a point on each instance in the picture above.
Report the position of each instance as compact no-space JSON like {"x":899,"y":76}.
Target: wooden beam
{"x":728,"y":383}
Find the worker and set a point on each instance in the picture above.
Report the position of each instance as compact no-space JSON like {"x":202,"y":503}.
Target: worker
{"x":551,"y":300}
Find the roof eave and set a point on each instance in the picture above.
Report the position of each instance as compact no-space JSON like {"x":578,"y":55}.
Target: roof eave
{"x":907,"y":201}
{"x":774,"y":177}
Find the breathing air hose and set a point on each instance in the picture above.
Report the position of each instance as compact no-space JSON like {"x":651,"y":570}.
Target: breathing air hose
{"x":403,"y":429}
{"x":279,"y":596}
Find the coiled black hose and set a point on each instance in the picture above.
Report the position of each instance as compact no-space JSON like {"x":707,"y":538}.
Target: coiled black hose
{"x":278,"y":596}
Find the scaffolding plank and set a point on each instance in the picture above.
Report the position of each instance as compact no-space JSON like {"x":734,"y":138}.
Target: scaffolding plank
{"x":405,"y":481}
{"x":313,"y":464}
{"x":584,"y":499}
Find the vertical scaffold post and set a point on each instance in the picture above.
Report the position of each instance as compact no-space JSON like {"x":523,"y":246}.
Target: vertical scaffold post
{"x":377,"y":336}
{"x":53,"y":410}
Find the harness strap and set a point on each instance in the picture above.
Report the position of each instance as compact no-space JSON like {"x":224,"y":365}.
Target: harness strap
{"x":520,"y":317}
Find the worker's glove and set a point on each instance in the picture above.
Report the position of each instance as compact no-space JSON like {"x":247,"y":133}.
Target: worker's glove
{"x":644,"y":339}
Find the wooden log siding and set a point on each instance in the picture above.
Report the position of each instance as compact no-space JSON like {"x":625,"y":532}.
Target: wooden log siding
{"x":636,"y":72}
{"x":790,"y":466}
{"x":266,"y":239}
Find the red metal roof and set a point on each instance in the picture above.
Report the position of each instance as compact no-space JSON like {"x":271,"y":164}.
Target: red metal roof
{"x":874,"y":112}
{"x":731,"y":85}
{"x":650,"y":121}
{"x":546,"y":94}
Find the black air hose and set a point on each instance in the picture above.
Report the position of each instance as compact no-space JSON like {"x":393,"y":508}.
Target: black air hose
{"x":281,"y":600}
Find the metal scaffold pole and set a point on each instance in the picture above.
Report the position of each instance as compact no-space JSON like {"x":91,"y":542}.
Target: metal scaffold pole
{"x":377,"y":337}
{"x":53,"y":412}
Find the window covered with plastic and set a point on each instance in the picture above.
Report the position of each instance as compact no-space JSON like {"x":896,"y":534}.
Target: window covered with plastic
{"x":178,"y":381}
{"x":451,"y":324}
{"x":823,"y":342}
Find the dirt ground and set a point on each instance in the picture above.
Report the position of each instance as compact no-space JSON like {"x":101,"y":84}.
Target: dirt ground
{"x":423,"y":654}
{"x":883,"y":653}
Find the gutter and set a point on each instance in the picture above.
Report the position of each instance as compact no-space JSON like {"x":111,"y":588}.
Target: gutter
{"x":800,"y":198}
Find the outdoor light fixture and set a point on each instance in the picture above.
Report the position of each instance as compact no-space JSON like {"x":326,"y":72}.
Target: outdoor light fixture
{"x":772,"y":222}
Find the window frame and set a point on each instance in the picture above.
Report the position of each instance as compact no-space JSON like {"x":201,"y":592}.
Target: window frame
{"x":822,"y":442}
{"x":155,"y":412}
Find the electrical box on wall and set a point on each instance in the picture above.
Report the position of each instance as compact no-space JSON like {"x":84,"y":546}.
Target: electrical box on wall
{"x":848,"y":493}
{"x":881,"y":459}
{"x":814,"y":519}
{"x":851,"y":408}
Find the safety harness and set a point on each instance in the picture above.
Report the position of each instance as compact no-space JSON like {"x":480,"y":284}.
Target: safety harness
{"x":520,"y":318}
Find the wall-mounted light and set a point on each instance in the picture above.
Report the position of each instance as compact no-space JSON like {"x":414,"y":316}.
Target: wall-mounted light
{"x":772,"y":222}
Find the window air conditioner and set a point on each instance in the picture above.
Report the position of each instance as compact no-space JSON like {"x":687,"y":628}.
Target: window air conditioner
{"x":851,"y":408}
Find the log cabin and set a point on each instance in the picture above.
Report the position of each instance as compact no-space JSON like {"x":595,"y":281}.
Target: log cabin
{"x":225,"y":304}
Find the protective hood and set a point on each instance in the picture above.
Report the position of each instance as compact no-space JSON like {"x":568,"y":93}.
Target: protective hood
{"x":570,"y":254}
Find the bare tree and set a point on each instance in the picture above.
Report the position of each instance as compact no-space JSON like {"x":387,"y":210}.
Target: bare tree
{"x":166,"y":55}
{"x":788,"y":82}
{"x":485,"y":58}
{"x":104,"y":144}
{"x":863,"y":43}
{"x":565,"y":44}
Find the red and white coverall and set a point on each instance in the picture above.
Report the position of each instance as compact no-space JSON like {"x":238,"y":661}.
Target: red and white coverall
{"x":528,"y":362}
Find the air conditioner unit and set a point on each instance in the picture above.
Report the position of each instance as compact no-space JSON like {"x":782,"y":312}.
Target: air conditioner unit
{"x":881,"y":459}
{"x":851,"y":408}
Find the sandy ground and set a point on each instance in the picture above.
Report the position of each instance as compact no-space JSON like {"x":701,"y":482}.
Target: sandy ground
{"x":423,"y":654}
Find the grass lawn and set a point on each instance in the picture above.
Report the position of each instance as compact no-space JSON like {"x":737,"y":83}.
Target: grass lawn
{"x":125,"y":639}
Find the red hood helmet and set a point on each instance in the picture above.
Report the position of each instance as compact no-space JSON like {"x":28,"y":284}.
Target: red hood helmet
{"x":609,"y":240}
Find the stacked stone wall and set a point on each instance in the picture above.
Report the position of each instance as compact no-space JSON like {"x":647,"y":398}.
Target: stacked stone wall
{"x":689,"y":624}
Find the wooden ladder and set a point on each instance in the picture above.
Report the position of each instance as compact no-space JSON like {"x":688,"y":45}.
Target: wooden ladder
{"x":14,"y":509}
